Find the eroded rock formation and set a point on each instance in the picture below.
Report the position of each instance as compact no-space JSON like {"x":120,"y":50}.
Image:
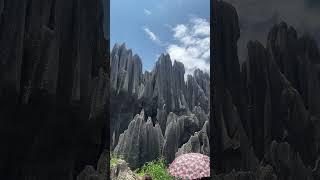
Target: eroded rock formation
{"x":159,"y":92}
{"x":266,"y":112}
{"x":199,"y":142}
{"x":178,"y":131}
{"x":141,"y":142}
{"x":174,"y":108}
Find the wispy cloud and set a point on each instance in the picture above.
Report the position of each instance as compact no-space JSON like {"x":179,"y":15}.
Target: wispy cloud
{"x":147,"y":12}
{"x":152,"y":35}
{"x":192,"y":44}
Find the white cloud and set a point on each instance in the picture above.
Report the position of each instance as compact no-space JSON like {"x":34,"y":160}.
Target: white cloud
{"x":147,"y":12}
{"x":180,"y":30}
{"x":201,"y":27}
{"x":192,"y":45}
{"x":151,"y":35}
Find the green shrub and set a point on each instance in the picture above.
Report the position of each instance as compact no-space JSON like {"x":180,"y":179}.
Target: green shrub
{"x":156,"y":169}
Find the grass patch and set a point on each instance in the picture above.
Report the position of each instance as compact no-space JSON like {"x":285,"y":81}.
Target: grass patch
{"x":156,"y":169}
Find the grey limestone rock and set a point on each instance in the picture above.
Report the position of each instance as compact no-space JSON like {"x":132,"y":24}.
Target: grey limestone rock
{"x":198,"y":143}
{"x":179,"y":129}
{"x":126,"y":70}
{"x":159,"y":92}
{"x":141,"y":142}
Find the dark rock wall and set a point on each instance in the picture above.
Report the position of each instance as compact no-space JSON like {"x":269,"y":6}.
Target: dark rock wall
{"x":54,"y":87}
{"x":266,"y":112}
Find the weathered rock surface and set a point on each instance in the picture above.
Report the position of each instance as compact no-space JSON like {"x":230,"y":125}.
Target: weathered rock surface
{"x":119,"y":171}
{"x":53,"y":79}
{"x":176,"y":107}
{"x":141,"y":142}
{"x":123,"y":107}
{"x":126,"y":70}
{"x":198,"y":143}
{"x":201,"y":115}
{"x":166,"y":86}
{"x":159,"y":92}
{"x":122,"y":172}
{"x":178,"y":131}
{"x":198,"y":90}
{"x":269,"y":112}
{"x":126,"y":84}
{"x":165,"y":83}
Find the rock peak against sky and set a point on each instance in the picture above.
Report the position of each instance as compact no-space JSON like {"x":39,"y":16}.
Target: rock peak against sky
{"x":179,"y":28}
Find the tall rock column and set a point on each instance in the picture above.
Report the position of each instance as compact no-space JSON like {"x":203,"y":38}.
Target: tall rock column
{"x":228,"y":90}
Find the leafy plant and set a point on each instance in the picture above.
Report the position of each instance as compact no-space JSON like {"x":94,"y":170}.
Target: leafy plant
{"x":156,"y":169}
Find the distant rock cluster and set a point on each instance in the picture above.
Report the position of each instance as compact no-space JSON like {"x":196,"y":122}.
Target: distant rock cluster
{"x":266,"y":113}
{"x":172,"y":109}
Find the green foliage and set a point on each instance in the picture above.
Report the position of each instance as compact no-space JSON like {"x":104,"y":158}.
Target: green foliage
{"x":114,"y":160}
{"x":156,"y":169}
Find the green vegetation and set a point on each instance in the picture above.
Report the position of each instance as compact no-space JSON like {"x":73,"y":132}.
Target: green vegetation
{"x":114,"y":160}
{"x":156,"y":169}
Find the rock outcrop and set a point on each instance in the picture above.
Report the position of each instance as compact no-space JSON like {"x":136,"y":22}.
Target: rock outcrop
{"x":198,"y":90}
{"x":118,"y":171}
{"x":141,"y":142}
{"x":267,"y":113}
{"x":126,"y":70}
{"x":178,"y":131}
{"x":122,"y":171}
{"x":198,"y":143}
{"x":166,"y":86}
{"x":54,"y":86}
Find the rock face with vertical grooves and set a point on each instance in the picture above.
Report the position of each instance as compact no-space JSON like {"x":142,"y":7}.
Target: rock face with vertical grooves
{"x":174,"y":109}
{"x":141,"y":142}
{"x":199,"y":142}
{"x":126,"y":81}
{"x":54,"y":86}
{"x":198,"y":90}
{"x":126,"y":70}
{"x":269,"y":115}
{"x":159,"y":92}
{"x":178,"y":131}
{"x":166,"y":86}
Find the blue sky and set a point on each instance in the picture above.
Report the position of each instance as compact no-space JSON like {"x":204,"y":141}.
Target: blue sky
{"x":152,"y":27}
